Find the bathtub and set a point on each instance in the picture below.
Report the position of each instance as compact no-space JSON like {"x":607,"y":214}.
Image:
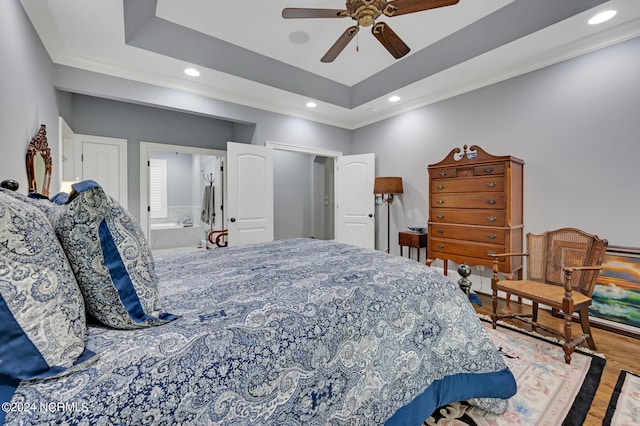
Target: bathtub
{"x":172,"y":235}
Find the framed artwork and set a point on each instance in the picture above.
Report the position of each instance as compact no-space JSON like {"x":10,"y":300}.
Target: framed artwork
{"x":616,"y":298}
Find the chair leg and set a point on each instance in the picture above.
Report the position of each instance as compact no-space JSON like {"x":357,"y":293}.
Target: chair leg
{"x":586,"y":328}
{"x":534,"y":315}
{"x":567,"y":347}
{"x":494,"y":307}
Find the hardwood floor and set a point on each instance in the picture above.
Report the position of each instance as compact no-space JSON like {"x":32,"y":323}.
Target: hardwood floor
{"x":621,"y":353}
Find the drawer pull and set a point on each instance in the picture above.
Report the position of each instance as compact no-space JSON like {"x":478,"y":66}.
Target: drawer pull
{"x":443,"y":173}
{"x":491,"y":184}
{"x":440,"y":187}
{"x":440,"y":231}
{"x":440,"y":246}
{"x":491,"y":202}
{"x":488,"y":170}
{"x":492,"y":218}
{"x":491,"y":236}
{"x":491,"y":252}
{"x":440,"y":216}
{"x":440,"y":201}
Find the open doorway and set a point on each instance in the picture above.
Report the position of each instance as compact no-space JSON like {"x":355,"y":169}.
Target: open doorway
{"x":304,"y":191}
{"x":304,"y":195}
{"x":182,"y":192}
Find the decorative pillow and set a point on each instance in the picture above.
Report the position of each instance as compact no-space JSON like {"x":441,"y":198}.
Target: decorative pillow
{"x":110,"y":259}
{"x":37,"y":200}
{"x":41,"y":308}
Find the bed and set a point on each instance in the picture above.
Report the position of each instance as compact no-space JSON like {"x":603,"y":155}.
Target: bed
{"x":297,"y":331}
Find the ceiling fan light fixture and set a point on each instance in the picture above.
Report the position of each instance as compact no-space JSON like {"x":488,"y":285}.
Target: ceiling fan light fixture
{"x":602,"y":17}
{"x":192,"y":72}
{"x":365,"y":13}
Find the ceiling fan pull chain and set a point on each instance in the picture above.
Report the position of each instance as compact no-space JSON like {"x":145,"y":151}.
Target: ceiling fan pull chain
{"x":358,"y":41}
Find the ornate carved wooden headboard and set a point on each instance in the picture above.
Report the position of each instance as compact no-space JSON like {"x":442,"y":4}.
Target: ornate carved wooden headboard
{"x":39,"y":163}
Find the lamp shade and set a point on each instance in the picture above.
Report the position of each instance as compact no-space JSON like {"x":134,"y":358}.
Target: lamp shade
{"x":387,"y":185}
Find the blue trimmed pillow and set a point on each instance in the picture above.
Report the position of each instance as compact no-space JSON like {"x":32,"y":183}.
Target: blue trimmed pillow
{"x":110,"y":258}
{"x":42,"y":311}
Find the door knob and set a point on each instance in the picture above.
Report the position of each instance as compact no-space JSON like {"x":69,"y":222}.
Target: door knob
{"x":370,"y":214}
{"x":233,"y":219}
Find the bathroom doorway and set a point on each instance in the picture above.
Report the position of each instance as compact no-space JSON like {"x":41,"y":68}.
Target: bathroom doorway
{"x":182,"y":190}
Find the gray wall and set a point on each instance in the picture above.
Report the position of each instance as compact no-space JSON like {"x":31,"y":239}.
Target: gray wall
{"x":134,"y":122}
{"x":575,"y":124}
{"x":27,"y":96}
{"x":139,"y":123}
{"x":269,"y":126}
{"x":152,"y":115}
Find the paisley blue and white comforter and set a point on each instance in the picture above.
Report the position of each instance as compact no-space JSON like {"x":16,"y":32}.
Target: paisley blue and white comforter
{"x":294,"y":332}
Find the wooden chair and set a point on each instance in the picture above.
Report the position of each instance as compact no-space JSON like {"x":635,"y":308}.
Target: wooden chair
{"x":562,"y":268}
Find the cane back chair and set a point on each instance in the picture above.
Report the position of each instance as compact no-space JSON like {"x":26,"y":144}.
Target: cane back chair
{"x":562,"y":268}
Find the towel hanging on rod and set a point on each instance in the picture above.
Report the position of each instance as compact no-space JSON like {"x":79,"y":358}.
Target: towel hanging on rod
{"x":208,"y":211}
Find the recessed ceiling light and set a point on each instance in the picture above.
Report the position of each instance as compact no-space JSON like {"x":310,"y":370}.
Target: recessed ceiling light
{"x":394,"y":98}
{"x":311,"y":104}
{"x":192,"y":72}
{"x":602,"y":17}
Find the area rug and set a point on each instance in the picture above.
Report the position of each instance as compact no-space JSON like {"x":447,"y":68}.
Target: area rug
{"x":550,"y":392}
{"x":624,"y":407}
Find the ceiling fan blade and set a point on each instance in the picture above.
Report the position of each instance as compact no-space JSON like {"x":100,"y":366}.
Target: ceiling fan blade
{"x":402,"y":7}
{"x":340,"y":44}
{"x":297,"y":12}
{"x":390,"y":40}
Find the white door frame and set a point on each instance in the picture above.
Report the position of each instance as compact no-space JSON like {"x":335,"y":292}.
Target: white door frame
{"x":66,"y":139}
{"x":145,"y":149}
{"x":303,"y":149}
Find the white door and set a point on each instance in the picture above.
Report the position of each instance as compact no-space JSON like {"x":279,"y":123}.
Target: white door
{"x":104,"y":160}
{"x":355,"y":202}
{"x":249,"y":214}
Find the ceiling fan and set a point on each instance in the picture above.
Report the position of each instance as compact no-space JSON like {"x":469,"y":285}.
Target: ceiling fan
{"x":365,"y":13}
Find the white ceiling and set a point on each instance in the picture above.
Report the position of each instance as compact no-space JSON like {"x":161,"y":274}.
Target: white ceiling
{"x":248,"y":54}
{"x":263,"y":30}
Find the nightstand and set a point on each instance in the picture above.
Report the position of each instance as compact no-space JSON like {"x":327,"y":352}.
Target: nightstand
{"x":412,"y":239}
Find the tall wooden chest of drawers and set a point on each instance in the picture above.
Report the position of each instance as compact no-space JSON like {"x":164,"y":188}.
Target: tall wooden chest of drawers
{"x":475,"y":209}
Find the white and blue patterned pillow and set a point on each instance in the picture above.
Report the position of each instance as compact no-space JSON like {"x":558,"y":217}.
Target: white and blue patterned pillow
{"x":42,"y":311}
{"x":37,"y":200}
{"x":110,"y":259}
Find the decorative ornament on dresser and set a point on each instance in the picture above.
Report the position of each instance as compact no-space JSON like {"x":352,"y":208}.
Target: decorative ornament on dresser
{"x":475,"y":209}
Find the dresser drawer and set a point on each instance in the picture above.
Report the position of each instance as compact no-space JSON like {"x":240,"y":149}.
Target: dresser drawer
{"x":469,"y":233}
{"x":468,"y":201}
{"x":489,"y":169}
{"x":478,"y":184}
{"x":464,"y":248}
{"x":443,"y":173}
{"x":482,"y":217}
